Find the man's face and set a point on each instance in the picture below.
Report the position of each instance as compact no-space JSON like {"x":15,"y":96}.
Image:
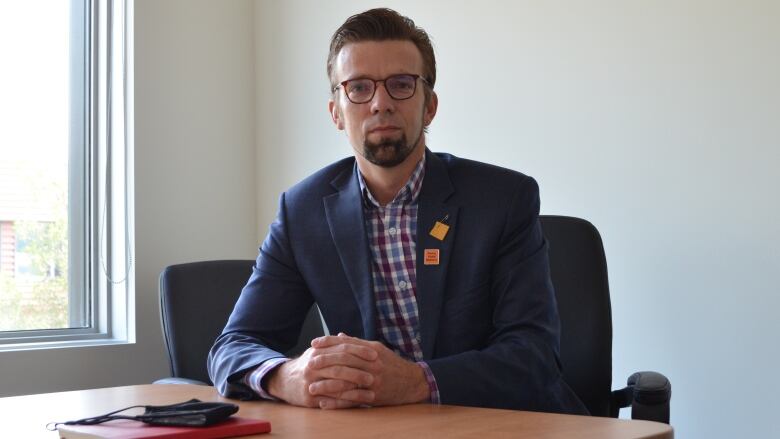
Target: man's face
{"x":383,"y":131}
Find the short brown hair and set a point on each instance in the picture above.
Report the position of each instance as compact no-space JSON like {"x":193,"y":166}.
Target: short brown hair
{"x":382,"y":24}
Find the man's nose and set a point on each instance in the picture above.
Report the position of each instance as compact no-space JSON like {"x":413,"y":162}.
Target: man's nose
{"x":382,"y":102}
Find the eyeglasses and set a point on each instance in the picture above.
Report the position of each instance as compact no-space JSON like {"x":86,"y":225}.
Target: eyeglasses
{"x":362,"y":90}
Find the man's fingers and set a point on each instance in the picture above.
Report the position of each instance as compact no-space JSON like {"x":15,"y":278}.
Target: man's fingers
{"x":338,"y":389}
{"x":331,"y":340}
{"x":350,"y":345}
{"x":345,"y":373}
{"x":330,"y":387}
{"x":332,"y":403}
{"x":337,"y":358}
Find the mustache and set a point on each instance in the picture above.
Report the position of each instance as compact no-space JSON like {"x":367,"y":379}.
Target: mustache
{"x":381,"y":122}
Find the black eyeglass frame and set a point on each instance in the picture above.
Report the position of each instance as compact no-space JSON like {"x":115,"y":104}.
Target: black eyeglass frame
{"x":343,"y":85}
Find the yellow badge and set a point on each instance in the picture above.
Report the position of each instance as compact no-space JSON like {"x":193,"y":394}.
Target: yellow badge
{"x":439,"y":230}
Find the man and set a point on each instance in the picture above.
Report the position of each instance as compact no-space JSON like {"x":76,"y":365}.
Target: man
{"x":431,"y":269}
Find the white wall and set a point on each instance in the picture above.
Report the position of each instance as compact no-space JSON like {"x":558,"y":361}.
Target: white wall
{"x":657,"y":121}
{"x":195,"y":193}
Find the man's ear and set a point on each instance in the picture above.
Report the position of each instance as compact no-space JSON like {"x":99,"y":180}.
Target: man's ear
{"x":430,"y":108}
{"x":335,"y":114}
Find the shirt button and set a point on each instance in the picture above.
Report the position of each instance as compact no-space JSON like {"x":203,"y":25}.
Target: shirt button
{"x":418,"y":338}
{"x":392,"y":230}
{"x":402,"y":284}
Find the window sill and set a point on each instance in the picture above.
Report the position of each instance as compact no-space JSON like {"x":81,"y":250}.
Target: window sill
{"x":41,"y":345}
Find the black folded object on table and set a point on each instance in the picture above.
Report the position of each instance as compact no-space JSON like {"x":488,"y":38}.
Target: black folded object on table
{"x":192,"y":413}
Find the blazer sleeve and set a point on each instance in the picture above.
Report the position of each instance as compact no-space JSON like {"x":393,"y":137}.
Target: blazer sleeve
{"x":519,"y":367}
{"x":266,"y":319}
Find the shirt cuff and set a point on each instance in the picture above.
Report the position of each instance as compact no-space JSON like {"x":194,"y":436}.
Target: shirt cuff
{"x":255,"y":378}
{"x":435,"y":397}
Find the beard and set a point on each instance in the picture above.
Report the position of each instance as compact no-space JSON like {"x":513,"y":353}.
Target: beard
{"x":388,"y":153}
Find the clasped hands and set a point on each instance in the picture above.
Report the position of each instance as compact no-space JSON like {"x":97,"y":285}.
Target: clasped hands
{"x":342,"y":371}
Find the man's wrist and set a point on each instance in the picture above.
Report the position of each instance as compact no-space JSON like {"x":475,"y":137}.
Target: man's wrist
{"x":257,"y":380}
{"x":274,"y":381}
{"x":423,"y":391}
{"x":430,"y":387}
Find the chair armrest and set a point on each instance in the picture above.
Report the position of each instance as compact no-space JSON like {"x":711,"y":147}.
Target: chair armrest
{"x":648,"y":394}
{"x":179,"y":380}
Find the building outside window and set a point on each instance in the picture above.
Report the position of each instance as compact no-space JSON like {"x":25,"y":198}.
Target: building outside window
{"x":35,"y":39}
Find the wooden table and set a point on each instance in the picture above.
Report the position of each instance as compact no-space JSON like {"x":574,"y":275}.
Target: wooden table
{"x":27,"y":416}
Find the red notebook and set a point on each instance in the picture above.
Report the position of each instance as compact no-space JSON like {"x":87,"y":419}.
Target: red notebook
{"x":127,"y":429}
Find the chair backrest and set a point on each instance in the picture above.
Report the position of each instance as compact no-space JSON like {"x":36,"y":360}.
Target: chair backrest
{"x":196,"y":300}
{"x":579,"y":274}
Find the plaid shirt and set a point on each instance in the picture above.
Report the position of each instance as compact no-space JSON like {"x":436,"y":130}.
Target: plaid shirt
{"x":392,"y":235}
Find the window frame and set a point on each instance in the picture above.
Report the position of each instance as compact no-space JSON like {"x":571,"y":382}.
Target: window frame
{"x":100,"y":210}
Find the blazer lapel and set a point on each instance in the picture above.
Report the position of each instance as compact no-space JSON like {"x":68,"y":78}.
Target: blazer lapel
{"x":344,"y":212}
{"x":431,"y":279}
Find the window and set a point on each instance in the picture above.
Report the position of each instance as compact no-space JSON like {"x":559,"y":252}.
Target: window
{"x":65,"y":201}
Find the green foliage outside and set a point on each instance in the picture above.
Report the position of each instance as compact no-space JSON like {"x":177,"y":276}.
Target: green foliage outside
{"x":38,"y":300}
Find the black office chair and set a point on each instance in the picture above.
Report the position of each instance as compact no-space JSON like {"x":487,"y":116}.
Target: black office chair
{"x":196,"y":300}
{"x":579,"y":273}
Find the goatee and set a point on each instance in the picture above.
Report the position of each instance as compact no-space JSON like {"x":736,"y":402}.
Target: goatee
{"x":387,"y":153}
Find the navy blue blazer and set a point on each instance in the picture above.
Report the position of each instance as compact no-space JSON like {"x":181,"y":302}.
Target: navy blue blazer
{"x":488,"y":319}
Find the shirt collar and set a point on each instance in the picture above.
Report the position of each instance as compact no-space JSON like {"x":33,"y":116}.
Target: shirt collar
{"x":407,"y":194}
